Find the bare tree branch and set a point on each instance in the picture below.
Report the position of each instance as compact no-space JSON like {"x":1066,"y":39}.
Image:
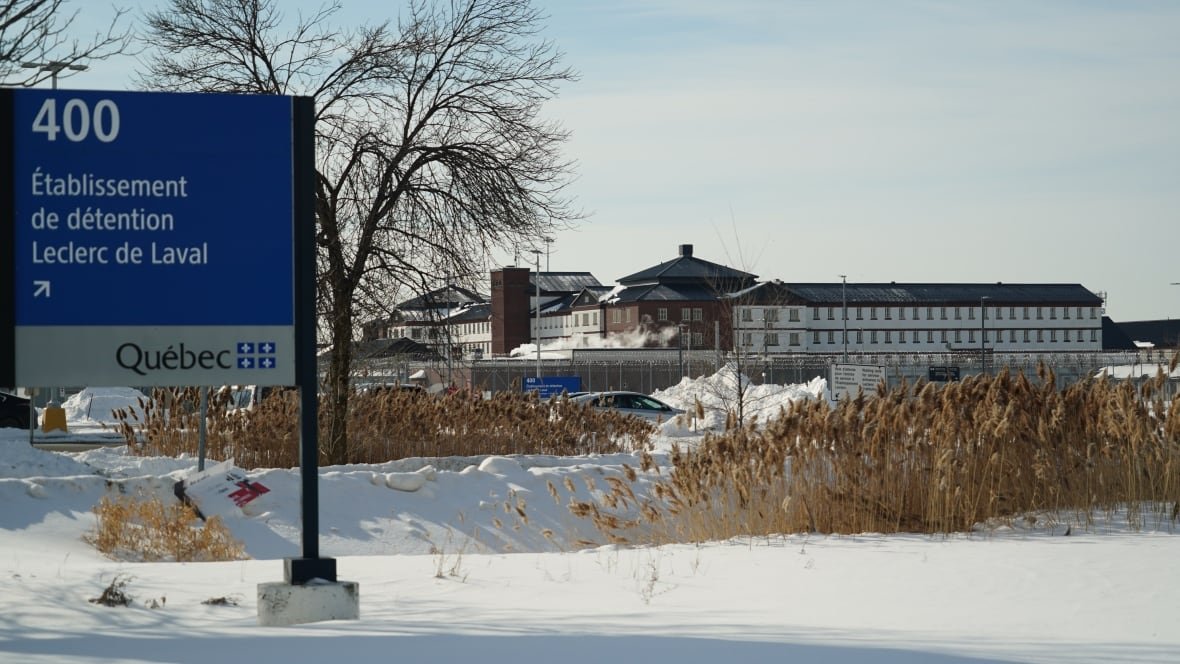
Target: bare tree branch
{"x":39,"y":31}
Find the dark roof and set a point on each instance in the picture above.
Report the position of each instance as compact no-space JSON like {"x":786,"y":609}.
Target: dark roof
{"x":1162,"y":333}
{"x":562,"y":282}
{"x":474,"y":312}
{"x":1114,"y":338}
{"x":943,"y":294}
{"x":448,"y":296}
{"x":687,"y":268}
{"x":386,"y":348}
{"x":665,"y":292}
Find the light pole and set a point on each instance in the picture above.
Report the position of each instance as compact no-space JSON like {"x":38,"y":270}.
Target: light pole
{"x":537,"y":322}
{"x":844,"y":311}
{"x":548,"y":245}
{"x":54,"y":67}
{"x":983,"y":334}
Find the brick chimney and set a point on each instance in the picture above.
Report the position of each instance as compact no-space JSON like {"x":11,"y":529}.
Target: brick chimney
{"x":510,"y":309}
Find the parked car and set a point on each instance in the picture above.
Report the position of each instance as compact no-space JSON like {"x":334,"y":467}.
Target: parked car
{"x":14,"y":411}
{"x":630,"y":403}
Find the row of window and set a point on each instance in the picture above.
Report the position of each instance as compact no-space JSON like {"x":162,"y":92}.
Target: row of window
{"x":930,"y":337}
{"x":945,"y":313}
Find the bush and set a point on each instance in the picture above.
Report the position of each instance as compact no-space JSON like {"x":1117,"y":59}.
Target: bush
{"x":149,"y":530}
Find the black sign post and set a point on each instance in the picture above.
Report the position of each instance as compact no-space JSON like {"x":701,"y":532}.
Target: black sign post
{"x":299,"y":571}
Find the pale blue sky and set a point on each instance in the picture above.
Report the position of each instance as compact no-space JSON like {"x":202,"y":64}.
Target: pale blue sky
{"x":1015,"y":141}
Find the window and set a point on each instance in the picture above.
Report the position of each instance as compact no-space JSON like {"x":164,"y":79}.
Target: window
{"x":594,"y":318}
{"x":831,"y":313}
{"x":958,"y":336}
{"x":815,"y":337}
{"x":1079,"y":312}
{"x":929,"y":336}
{"x":697,"y":314}
{"x":888,"y":337}
{"x":815,"y":313}
{"x":747,"y":315}
{"x":1040,"y":336}
{"x":915,"y":313}
{"x":662,"y":313}
{"x":794,"y":338}
{"x":873,"y":313}
{"x":873,"y":337}
{"x":747,"y":339}
{"x":860,"y":336}
{"x":1052,"y":336}
{"x":1026,"y":313}
{"x":943,"y":336}
{"x":1012,"y":336}
{"x":958,"y":314}
{"x":627,"y":315}
{"x":1040,"y":313}
{"x":685,"y":313}
{"x":1026,"y":339}
{"x":888,"y":313}
{"x":1094,"y":335}
{"x":971,"y":336}
{"x":615,"y":317}
{"x":900,"y":313}
{"x":929,"y":313}
{"x":698,"y":339}
{"x":970,"y":313}
{"x":1065,"y":313}
{"x":771,"y":315}
{"x":831,"y":337}
{"x":901,"y":337}
{"x":859,"y":314}
{"x":794,"y":316}
{"x":1052,"y":313}
{"x":1093,"y":314}
{"x":999,"y":313}
{"x":943,"y":311}
{"x":1012,"y":313}
{"x":771,"y":338}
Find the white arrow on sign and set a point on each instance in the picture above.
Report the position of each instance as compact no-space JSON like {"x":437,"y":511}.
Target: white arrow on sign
{"x":42,"y":289}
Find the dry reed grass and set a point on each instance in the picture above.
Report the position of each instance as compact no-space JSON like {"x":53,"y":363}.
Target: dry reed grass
{"x":922,"y":458}
{"x":383,"y":425}
{"x":149,"y":530}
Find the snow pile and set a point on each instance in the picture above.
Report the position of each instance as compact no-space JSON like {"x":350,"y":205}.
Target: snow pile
{"x":96,"y":405}
{"x":718,"y":394}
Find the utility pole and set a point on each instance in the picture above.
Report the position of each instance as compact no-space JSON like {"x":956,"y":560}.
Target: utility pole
{"x":54,"y":67}
{"x":537,"y":322}
{"x":844,"y":310}
{"x":983,"y":334}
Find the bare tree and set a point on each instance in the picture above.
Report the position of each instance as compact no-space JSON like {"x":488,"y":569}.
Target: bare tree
{"x":431,"y":150}
{"x":39,"y":32}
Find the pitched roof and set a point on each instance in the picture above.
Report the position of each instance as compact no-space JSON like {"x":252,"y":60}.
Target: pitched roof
{"x":448,"y":296}
{"x":687,"y":268}
{"x":894,"y":293}
{"x":562,"y":282}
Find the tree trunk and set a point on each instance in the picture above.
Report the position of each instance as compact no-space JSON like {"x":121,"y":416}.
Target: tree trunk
{"x":336,"y":448}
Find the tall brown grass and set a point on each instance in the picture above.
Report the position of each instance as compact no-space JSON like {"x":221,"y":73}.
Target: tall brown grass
{"x":383,"y":425}
{"x":148,"y":530}
{"x":924,"y":459}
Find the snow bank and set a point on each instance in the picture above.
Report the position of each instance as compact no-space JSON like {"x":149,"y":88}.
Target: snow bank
{"x":96,"y":405}
{"x":718,"y":394}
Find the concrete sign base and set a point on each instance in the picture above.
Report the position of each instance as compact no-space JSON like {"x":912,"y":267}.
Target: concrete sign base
{"x":281,"y":604}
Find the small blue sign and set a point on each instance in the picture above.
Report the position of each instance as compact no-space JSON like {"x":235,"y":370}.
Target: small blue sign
{"x":552,"y":386}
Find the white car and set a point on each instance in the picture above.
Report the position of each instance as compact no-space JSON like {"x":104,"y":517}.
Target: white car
{"x":630,"y":403}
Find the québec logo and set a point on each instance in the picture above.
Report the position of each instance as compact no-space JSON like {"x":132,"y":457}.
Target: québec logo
{"x":256,"y":354}
{"x":174,"y":357}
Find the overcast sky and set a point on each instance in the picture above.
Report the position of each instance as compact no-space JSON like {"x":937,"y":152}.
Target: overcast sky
{"x":1015,"y":141}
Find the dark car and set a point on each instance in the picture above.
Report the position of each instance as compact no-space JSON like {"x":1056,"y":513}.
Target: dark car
{"x":630,"y":403}
{"x":14,"y":412}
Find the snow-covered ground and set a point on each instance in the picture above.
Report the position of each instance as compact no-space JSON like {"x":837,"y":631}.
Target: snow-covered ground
{"x":449,"y":570}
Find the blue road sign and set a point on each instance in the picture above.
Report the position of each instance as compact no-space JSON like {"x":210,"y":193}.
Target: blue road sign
{"x":177,"y":205}
{"x":551,"y":386}
{"x":152,"y":234}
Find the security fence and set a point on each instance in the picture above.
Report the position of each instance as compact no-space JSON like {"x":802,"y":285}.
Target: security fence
{"x":648,"y":370}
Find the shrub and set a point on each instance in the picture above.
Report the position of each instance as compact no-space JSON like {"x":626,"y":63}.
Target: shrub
{"x":149,"y":530}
